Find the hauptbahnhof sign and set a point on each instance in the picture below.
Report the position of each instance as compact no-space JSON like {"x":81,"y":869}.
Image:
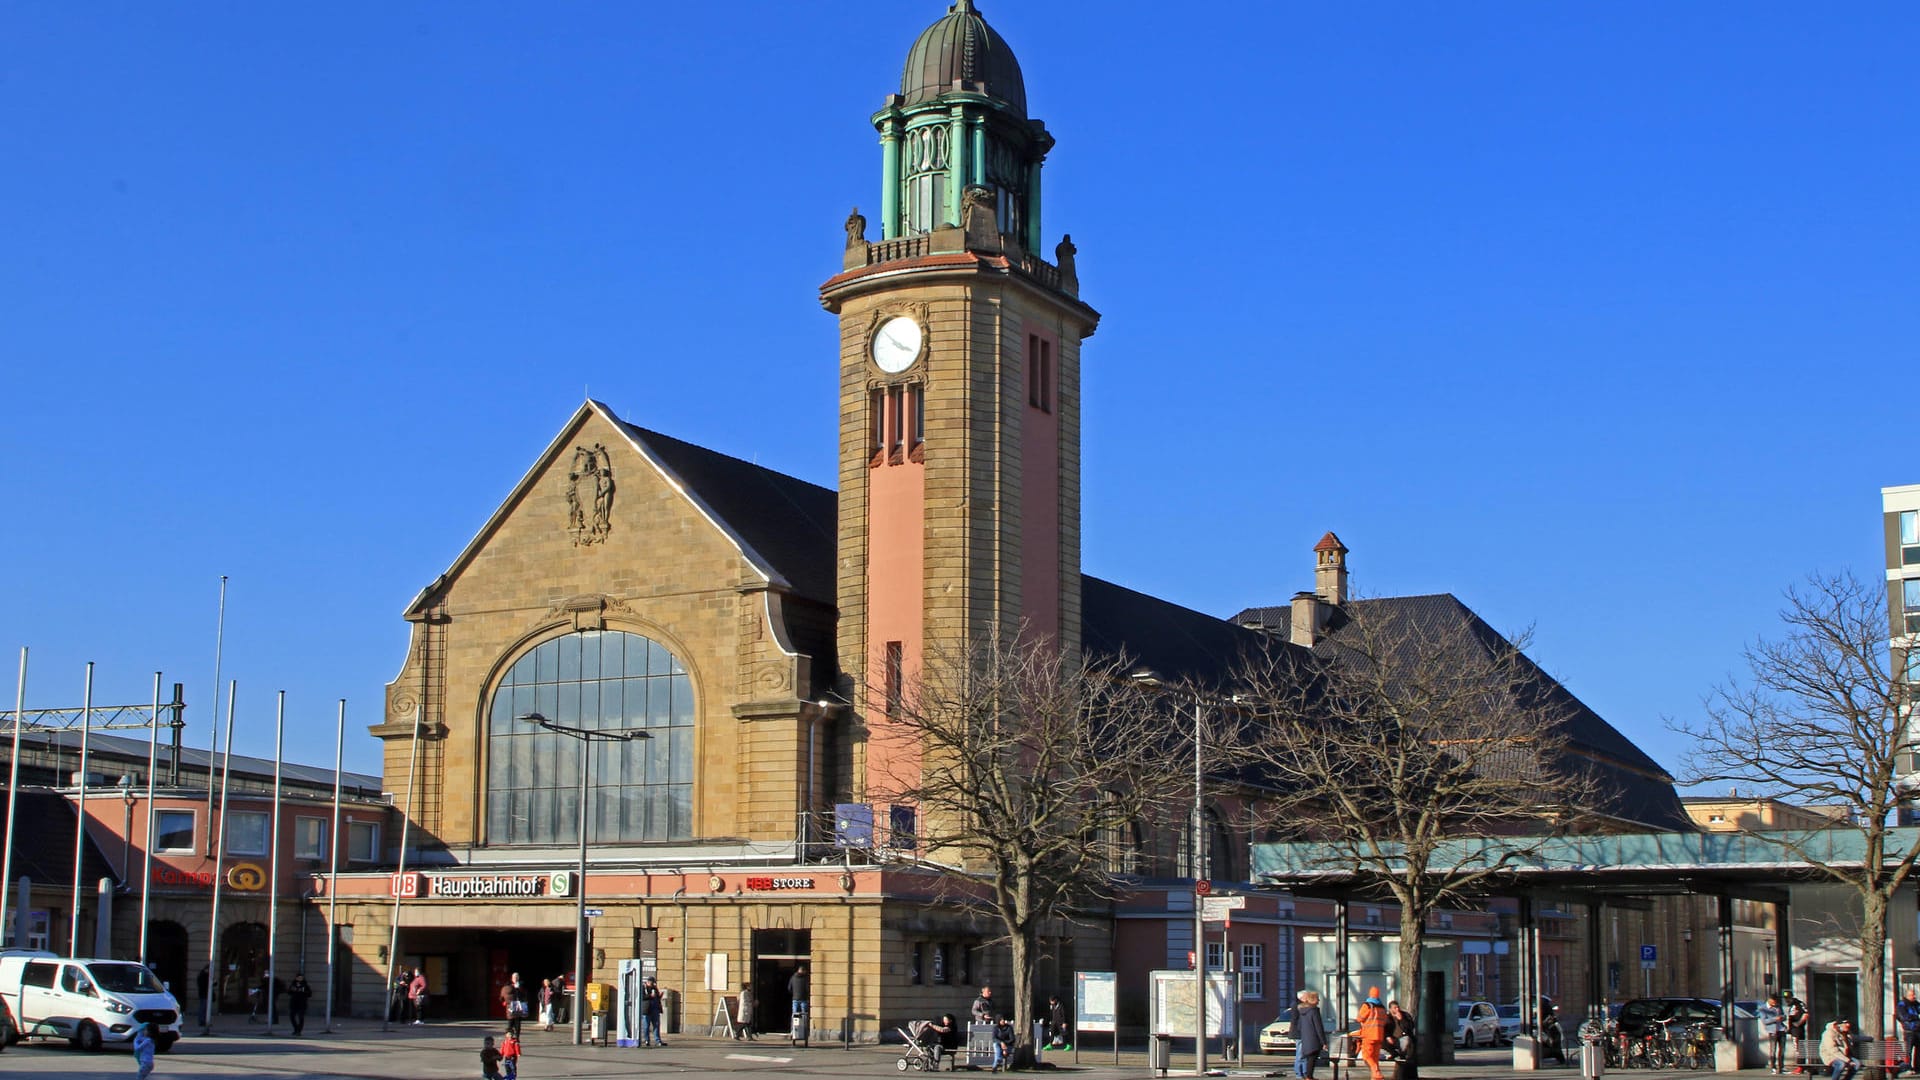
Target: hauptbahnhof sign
{"x":530,"y":886}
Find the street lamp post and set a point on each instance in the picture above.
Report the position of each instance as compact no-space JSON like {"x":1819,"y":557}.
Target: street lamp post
{"x":586,"y":737}
{"x":1151,"y":679}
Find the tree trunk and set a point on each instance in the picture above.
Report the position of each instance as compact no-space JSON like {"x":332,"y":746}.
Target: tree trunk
{"x":1873,"y":981}
{"x":1025,"y":955}
{"x":1413,"y":935}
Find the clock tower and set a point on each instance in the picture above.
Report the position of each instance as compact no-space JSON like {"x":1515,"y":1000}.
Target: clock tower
{"x":959,"y":389}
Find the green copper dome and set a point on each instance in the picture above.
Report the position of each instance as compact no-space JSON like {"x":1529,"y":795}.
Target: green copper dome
{"x":962,"y":46}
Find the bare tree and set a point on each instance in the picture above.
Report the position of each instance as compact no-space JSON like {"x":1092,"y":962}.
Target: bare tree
{"x":1410,"y":726}
{"x":1031,"y":773}
{"x":1820,"y":719}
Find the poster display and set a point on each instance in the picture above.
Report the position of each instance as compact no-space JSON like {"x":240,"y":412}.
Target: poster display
{"x":1093,"y":1001}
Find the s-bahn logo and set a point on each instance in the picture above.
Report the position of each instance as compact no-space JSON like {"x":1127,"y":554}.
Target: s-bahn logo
{"x":247,"y":877}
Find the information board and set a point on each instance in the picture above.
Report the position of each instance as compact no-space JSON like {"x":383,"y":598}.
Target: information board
{"x":1094,"y":998}
{"x":1173,"y":1004}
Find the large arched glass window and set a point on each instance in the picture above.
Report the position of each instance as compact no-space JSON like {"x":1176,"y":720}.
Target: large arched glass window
{"x":640,"y":790}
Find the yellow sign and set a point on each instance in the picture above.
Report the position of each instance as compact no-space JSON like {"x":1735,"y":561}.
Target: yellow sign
{"x":247,"y":877}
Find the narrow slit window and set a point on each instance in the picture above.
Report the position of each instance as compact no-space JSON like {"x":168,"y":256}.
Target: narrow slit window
{"x":876,"y":423}
{"x":1033,"y":370}
{"x":896,"y":421}
{"x":1046,"y":376}
{"x":895,"y":676}
{"x":917,"y":416}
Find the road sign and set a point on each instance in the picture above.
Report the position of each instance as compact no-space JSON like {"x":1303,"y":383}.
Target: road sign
{"x":1649,"y":956}
{"x":594,"y":912}
{"x":1216,"y":908}
{"x":1202,"y":887}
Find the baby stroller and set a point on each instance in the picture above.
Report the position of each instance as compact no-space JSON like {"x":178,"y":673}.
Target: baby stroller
{"x":918,"y":1054}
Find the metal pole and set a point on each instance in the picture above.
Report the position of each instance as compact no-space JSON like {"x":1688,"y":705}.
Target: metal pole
{"x":273,"y":861}
{"x":219,"y":866}
{"x":213,"y":751}
{"x":400,"y":875}
{"x":13,"y":791}
{"x":80,"y":817}
{"x":1199,"y":914}
{"x":333,"y":865}
{"x":580,"y":887}
{"x":146,"y":845}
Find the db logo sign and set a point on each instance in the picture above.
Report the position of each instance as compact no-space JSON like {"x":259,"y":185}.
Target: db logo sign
{"x":247,"y":877}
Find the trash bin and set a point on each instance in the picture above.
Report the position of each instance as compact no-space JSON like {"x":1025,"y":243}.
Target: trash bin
{"x":1593,"y":1059}
{"x":598,"y":1031}
{"x":1160,"y":1053}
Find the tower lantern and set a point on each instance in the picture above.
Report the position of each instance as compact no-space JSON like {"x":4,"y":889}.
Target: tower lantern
{"x":959,"y":122}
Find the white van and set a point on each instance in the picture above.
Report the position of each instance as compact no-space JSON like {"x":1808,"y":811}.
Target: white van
{"x":90,"y":1002}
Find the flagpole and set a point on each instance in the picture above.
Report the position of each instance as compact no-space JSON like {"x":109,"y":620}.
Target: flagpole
{"x":333,"y":867}
{"x":80,"y":818}
{"x":13,"y":790}
{"x":146,"y":846}
{"x":213,"y":751}
{"x":273,"y":862}
{"x":219,"y":868}
{"x":406,"y":818}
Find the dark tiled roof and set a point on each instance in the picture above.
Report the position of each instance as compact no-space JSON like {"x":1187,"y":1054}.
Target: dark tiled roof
{"x":43,"y":845}
{"x":1642,"y":790}
{"x":791,"y":524}
{"x":1177,"y":644}
{"x":121,"y":749}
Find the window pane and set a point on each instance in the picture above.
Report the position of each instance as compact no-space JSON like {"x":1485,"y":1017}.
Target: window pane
{"x":1910,"y":593}
{"x":682,"y":699}
{"x":590,"y":657}
{"x":612,"y":652}
{"x":1910,"y":527}
{"x":570,"y":658}
{"x":173,"y":830}
{"x":246,"y":833}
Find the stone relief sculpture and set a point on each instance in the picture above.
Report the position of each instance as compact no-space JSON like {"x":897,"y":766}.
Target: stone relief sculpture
{"x":590,"y":495}
{"x":978,"y":219}
{"x":856,"y":229}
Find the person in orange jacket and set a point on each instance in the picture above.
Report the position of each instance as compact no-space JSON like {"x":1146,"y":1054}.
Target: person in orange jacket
{"x":1375,"y":1028}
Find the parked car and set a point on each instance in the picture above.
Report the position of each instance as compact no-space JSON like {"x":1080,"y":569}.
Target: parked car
{"x":1635,"y":1015}
{"x":1509,"y":1021}
{"x":1277,"y":1037}
{"x":90,"y":1002}
{"x":1479,"y":1025}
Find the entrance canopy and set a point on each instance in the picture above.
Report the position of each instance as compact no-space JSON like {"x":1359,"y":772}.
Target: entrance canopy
{"x":1741,"y":864}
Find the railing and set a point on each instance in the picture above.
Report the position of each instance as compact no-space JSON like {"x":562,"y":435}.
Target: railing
{"x":902,"y":247}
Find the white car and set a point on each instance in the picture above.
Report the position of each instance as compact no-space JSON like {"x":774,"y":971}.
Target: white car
{"x":1479,"y":1025}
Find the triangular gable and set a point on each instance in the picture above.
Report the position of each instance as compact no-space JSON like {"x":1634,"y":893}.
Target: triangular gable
{"x":546,"y":458}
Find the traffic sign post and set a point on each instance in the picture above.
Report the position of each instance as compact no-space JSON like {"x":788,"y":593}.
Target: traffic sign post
{"x":594,"y":912}
{"x":1649,"y":956}
{"x":1217,"y":908}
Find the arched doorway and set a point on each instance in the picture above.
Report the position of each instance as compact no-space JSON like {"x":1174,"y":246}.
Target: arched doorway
{"x":243,"y":960}
{"x":167,"y":955}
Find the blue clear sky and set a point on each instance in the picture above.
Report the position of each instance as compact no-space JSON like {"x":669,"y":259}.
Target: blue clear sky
{"x":1593,"y":314}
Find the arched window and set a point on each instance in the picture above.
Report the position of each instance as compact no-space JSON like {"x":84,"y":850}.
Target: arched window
{"x":604,"y":679}
{"x":1218,"y":861}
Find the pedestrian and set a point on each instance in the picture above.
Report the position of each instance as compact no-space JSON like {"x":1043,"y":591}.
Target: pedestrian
{"x":650,"y":1004}
{"x":1059,"y":1034}
{"x":1907,"y":1012}
{"x":1372,"y":1031}
{"x":489,"y":1060}
{"x":297,"y":994}
{"x":1797,"y":1027}
{"x":1309,"y":1034}
{"x":1836,"y":1050}
{"x":562,"y":1001}
{"x":546,"y":1004}
{"x":744,"y":1013}
{"x":417,"y":994}
{"x":510,"y":1057}
{"x":797,"y":992}
{"x":513,"y":1002}
{"x":254,"y":994}
{"x":1773,"y":1024}
{"x":982,"y":1008}
{"x":143,"y":1047}
{"x":1400,"y":1032}
{"x":1003,"y":1044}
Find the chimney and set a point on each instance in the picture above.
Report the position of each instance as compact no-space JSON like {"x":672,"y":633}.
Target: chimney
{"x":1329,"y":570}
{"x":1304,"y":628}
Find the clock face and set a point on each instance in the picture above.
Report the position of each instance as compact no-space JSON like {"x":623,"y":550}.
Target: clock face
{"x":896,"y":345}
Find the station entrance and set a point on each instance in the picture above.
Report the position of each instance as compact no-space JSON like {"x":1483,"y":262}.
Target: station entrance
{"x":777,"y":954}
{"x":466,"y":968}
